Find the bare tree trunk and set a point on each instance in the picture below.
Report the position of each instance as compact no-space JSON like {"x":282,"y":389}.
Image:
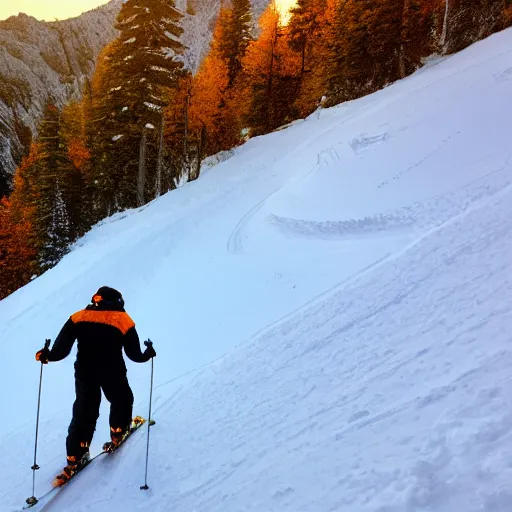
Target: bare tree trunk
{"x":444,"y":33}
{"x":200,"y":152}
{"x":185,"y":141}
{"x":270,"y":84}
{"x":160,"y":157}
{"x":141,"y":182}
{"x":401,"y":52}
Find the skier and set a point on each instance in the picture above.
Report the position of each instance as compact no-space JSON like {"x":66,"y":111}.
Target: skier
{"x":102,"y":329}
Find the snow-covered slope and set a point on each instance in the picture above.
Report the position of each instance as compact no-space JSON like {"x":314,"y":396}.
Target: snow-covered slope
{"x":331,"y":309}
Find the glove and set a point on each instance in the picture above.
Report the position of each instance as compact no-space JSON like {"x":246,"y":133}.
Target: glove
{"x":150,"y":351}
{"x":43,"y":355}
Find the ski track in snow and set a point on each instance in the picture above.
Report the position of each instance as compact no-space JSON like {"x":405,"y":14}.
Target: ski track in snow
{"x":288,"y":421}
{"x":368,"y":250}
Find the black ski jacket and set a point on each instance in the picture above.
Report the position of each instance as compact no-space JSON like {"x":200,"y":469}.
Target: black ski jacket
{"x":102,"y":334}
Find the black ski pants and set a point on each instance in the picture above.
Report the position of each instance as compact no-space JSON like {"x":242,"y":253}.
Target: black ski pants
{"x":86,"y":409}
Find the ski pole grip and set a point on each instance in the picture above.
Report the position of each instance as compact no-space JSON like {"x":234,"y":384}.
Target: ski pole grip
{"x":148,"y":343}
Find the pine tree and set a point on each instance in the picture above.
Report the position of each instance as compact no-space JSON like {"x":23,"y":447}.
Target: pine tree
{"x":212,"y":105}
{"x":304,"y":28}
{"x":58,"y":232}
{"x":419,"y":33}
{"x":18,"y":222}
{"x":307,"y":29}
{"x":51,"y":166}
{"x":133,"y":75}
{"x":237,"y":38}
{"x":271,"y":75}
{"x":150,"y":34}
{"x":364,"y":42}
{"x":384,"y":20}
{"x":109,"y":153}
{"x":507,"y":13}
{"x":346,"y":56}
{"x":37,"y":199}
{"x":176,"y":134}
{"x":470,"y":20}
{"x":149,"y":38}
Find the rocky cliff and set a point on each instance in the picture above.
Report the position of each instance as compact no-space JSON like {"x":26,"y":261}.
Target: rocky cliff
{"x":41,"y":60}
{"x":51,"y":60}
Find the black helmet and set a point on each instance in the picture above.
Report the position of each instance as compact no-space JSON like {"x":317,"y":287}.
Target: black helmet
{"x":108,"y":296}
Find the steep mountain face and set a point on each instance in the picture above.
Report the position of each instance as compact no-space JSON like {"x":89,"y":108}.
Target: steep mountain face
{"x":41,"y":60}
{"x":198,"y":28}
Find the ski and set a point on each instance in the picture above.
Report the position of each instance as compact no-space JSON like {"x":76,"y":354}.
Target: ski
{"x":31,"y":502}
{"x":137,"y":422}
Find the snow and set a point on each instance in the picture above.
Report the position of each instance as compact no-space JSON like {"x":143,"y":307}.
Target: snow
{"x":117,"y":137}
{"x":172,"y":36}
{"x":331,"y":308}
{"x":152,"y":106}
{"x":159,"y":68}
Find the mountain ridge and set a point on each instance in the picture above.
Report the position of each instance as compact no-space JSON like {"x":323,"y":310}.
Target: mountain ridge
{"x":41,"y":60}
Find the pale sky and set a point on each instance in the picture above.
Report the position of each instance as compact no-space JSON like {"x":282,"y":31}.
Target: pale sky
{"x":284,"y":6}
{"x":48,"y":9}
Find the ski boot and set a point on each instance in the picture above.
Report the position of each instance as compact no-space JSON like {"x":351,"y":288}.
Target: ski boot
{"x":74,"y":465}
{"x":118,"y":435}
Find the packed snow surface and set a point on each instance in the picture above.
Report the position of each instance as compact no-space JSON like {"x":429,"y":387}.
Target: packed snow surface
{"x":332,"y":313}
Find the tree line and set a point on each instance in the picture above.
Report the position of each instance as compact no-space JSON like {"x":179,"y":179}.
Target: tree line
{"x":145,"y":123}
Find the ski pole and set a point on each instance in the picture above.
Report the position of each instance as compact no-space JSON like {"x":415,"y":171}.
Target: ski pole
{"x":145,"y":487}
{"x":33,"y":500}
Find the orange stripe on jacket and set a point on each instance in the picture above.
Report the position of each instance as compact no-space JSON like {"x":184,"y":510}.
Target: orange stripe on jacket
{"x":117,"y":319}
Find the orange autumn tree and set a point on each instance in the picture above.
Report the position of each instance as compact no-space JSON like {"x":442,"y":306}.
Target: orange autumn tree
{"x":79,"y":154}
{"x":17,"y":256}
{"x":212,"y":100}
{"x":26,"y":193}
{"x":18,"y":241}
{"x":271,"y":72}
{"x":204,"y":115}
